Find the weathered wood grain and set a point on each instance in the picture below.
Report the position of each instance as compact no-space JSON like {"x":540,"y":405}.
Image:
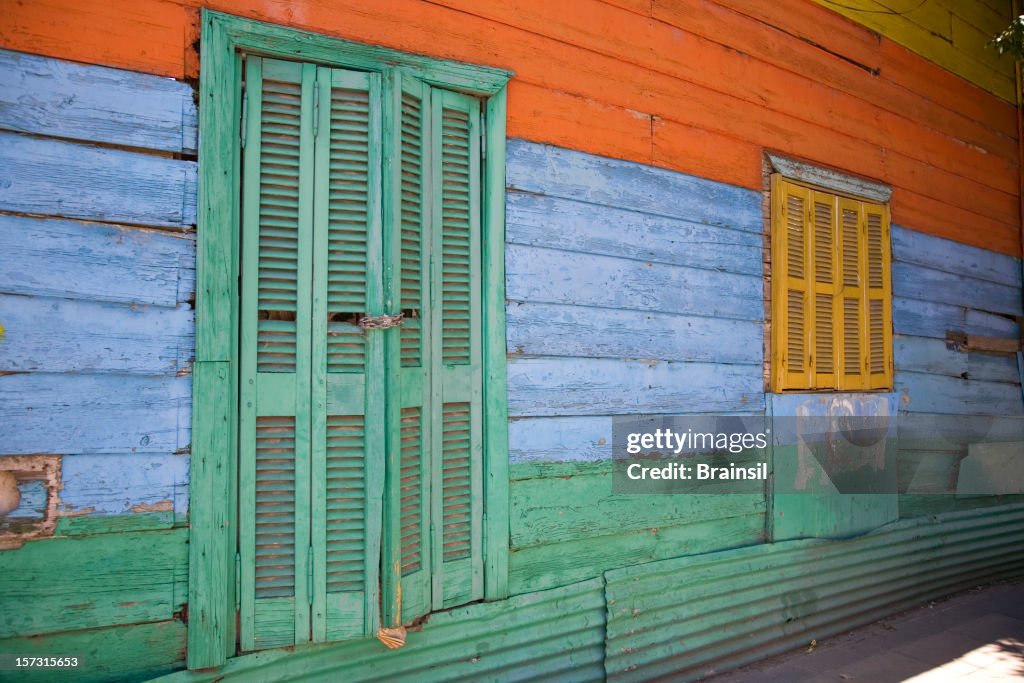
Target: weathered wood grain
{"x":934,"y":356}
{"x":565,"y":330}
{"x":589,"y":386}
{"x":560,"y":439}
{"x":553,"y":276}
{"x":57,"y":178}
{"x":559,"y":172}
{"x":913,"y":317}
{"x":545,"y":566}
{"x":924,"y":393}
{"x":925,"y":284}
{"x":56,"y":98}
{"x":64,"y":584}
{"x":78,"y":260}
{"x":44,"y":334}
{"x":911,"y":246}
{"x":537,"y":220}
{"x":55,"y":413}
{"x":137,"y":652}
{"x":582,"y":506}
{"x":109,"y":484}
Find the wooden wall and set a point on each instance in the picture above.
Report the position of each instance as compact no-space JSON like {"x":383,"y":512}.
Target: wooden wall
{"x":97,"y":204}
{"x":951,"y":33}
{"x":631,"y":290}
{"x":699,"y":86}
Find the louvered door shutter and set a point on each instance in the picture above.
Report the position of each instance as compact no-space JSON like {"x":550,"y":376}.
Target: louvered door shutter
{"x":456,"y":495}
{"x":274,"y":419}
{"x":348,"y":379}
{"x":851,"y":305}
{"x":792,"y":290}
{"x":879,"y":297}
{"x":407,"y":566}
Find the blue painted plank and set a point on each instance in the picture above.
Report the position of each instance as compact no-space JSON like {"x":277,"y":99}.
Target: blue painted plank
{"x":63,"y":99}
{"x":558,"y":172}
{"x":924,"y":284}
{"x":921,"y":354}
{"x":590,"y":386}
{"x":34,"y":499}
{"x":44,"y":413}
{"x":924,"y":393}
{"x":64,"y":335}
{"x":928,"y":319}
{"x":57,"y":178}
{"x":910,"y":246}
{"x":539,"y":275}
{"x":560,"y":439}
{"x":593,"y":229}
{"x":993,"y":368}
{"x":108,"y":484}
{"x":933,"y":356}
{"x":79,"y":260}
{"x":562,"y":330}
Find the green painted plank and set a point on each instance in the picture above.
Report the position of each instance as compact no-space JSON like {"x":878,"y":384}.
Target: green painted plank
{"x":495,"y":389}
{"x":581,"y":506}
{"x":545,"y":566}
{"x":63,"y":584}
{"x":110,"y":524}
{"x":118,"y":654}
{"x":211,"y":636}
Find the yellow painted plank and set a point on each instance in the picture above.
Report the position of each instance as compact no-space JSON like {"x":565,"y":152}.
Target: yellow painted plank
{"x":951,"y":33}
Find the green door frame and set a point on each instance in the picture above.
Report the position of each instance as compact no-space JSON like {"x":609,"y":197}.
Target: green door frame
{"x":212,"y":592}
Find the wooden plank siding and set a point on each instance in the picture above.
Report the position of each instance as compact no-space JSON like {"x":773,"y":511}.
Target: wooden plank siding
{"x":950,"y":33}
{"x":97,"y":214}
{"x":631,"y":289}
{"x":942,"y":287}
{"x":696,"y":87}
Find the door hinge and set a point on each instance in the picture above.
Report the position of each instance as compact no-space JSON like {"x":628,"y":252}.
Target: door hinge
{"x":245,"y":111}
{"x":316,"y":108}
{"x":238,"y":581}
{"x":483,"y":139}
{"x":309,"y":575}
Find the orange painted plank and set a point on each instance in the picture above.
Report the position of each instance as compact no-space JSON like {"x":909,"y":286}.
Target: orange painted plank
{"x":699,"y":152}
{"x":755,"y":81}
{"x":143,"y":36}
{"x":896,"y":65}
{"x":555,"y":118}
{"x":936,"y":218}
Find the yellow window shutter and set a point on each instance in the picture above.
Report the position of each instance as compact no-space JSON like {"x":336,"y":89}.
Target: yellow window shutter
{"x":878,"y":298}
{"x":851,"y":308}
{"x":791,"y":288}
{"x":826,"y":328}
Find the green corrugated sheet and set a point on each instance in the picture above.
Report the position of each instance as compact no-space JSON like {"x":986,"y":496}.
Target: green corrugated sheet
{"x":683,"y":619}
{"x":553,"y":635}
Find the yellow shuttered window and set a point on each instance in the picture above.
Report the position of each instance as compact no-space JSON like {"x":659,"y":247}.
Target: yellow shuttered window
{"x":831,"y":291}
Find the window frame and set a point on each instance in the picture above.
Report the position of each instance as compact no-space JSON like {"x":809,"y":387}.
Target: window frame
{"x":213,"y":574}
{"x":841,"y":188}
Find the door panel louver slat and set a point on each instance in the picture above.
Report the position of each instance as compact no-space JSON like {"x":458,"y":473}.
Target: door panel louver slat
{"x":457,"y":481}
{"x":275,"y":507}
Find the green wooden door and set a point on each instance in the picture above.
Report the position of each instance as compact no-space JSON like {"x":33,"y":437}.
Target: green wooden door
{"x":274,"y":414}
{"x":457,"y":447}
{"x":360,"y":450}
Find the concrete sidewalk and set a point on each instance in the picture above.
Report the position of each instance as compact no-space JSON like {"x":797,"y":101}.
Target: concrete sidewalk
{"x":975,"y":636}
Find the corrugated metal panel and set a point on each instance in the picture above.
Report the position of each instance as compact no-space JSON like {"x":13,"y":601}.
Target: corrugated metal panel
{"x":685,"y":618}
{"x":555,"y":635}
